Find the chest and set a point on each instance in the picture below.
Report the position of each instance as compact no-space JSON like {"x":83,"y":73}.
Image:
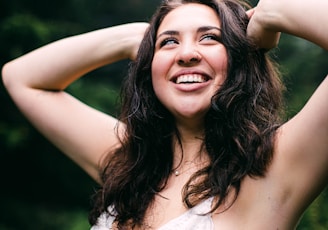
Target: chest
{"x":253,"y":209}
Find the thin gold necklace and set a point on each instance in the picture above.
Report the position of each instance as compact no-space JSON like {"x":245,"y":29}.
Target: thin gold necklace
{"x":178,"y":172}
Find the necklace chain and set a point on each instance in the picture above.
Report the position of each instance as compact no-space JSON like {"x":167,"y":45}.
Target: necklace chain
{"x":178,"y":172}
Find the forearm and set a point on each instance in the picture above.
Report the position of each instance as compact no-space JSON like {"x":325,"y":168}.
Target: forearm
{"x":301,"y":18}
{"x":55,"y":66}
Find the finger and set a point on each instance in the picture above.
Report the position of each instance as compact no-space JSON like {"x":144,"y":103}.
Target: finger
{"x":250,"y":12}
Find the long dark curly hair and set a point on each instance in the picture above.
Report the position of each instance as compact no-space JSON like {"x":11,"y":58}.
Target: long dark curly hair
{"x":240,"y":125}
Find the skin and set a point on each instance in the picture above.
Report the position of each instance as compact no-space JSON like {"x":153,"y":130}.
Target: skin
{"x":188,"y":47}
{"x":298,"y":172}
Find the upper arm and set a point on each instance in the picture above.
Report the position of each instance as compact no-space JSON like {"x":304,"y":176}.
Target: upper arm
{"x":37,"y":79}
{"x":301,"y":155}
{"x":81,"y":132}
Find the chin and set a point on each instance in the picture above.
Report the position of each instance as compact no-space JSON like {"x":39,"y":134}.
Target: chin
{"x":190,"y":114}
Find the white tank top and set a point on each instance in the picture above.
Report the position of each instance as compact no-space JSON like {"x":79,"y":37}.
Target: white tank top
{"x":193,"y":219}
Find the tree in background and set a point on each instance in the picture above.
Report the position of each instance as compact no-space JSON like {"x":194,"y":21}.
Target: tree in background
{"x":41,"y":188}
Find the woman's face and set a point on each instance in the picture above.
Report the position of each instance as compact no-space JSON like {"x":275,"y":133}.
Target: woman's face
{"x":190,"y":62}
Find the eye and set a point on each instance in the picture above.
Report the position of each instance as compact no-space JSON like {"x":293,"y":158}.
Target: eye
{"x":168,"y":41}
{"x":210,"y":37}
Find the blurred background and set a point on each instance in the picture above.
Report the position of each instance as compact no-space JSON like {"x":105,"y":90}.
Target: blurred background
{"x":39,"y":187}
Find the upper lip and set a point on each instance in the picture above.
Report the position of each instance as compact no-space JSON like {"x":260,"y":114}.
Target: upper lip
{"x":188,"y":72}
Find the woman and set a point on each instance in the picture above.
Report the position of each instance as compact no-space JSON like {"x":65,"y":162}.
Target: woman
{"x":199,"y":144}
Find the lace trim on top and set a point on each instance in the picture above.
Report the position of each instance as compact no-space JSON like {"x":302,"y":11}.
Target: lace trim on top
{"x":193,"y":219}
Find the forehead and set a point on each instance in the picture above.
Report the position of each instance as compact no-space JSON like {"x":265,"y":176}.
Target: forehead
{"x":187,"y":16}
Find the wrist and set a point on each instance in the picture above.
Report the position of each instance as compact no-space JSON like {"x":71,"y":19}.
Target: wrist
{"x":126,"y":39}
{"x":270,"y":14}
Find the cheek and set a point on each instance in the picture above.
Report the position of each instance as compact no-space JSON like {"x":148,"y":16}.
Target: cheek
{"x":219,"y":65}
{"x":219,"y":62}
{"x":160,"y":65}
{"x":160,"y":70}
{"x":156,"y":73}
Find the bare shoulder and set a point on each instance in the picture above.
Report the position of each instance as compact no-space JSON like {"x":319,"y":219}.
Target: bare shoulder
{"x":296,"y":175}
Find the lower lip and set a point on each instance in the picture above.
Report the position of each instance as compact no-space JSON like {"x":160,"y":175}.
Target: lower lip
{"x":191,"y":87}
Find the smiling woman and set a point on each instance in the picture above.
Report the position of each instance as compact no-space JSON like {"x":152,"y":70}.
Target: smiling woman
{"x":199,"y":143}
{"x":190,"y":62}
{"x":215,"y":126}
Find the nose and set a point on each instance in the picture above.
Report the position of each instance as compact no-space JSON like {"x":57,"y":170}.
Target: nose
{"x":188,"y":56}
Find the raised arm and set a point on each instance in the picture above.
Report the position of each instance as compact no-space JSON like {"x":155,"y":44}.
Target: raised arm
{"x":300,"y":166}
{"x":302,"y":18}
{"x":36,"y":82}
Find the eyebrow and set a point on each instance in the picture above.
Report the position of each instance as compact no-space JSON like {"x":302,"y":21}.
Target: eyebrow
{"x":199,"y":30}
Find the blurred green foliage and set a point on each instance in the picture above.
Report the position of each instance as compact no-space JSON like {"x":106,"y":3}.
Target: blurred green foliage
{"x":41,"y":188}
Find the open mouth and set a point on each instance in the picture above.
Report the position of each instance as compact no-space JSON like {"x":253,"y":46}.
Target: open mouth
{"x":190,"y":79}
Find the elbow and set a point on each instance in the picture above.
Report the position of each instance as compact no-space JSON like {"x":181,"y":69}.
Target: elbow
{"x":12,"y":78}
{"x":4,"y":75}
{"x":7,"y":75}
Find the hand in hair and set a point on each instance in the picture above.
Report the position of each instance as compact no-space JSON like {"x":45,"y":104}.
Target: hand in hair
{"x":262,"y":36}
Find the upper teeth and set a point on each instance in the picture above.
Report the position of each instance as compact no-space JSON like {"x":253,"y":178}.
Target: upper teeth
{"x":190,"y":78}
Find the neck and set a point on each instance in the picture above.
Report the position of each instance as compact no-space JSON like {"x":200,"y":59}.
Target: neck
{"x":189,"y":157}
{"x":188,"y":147}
